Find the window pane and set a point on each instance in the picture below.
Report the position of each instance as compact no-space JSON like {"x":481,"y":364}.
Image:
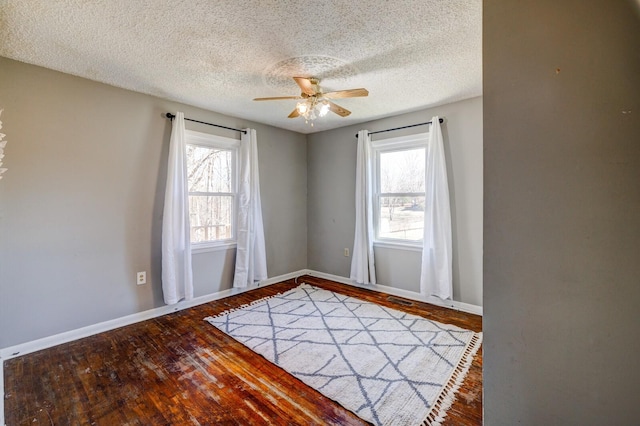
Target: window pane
{"x":210,"y":169}
{"x":401,"y":218}
{"x":402,"y":171}
{"x":210,"y":217}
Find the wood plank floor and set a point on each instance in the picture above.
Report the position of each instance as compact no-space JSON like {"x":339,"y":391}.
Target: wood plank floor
{"x":179,"y":370}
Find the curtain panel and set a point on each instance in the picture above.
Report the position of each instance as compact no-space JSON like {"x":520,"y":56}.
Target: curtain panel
{"x":436,"y":271}
{"x":177,"y":281}
{"x":251,"y":259}
{"x":363,"y":268}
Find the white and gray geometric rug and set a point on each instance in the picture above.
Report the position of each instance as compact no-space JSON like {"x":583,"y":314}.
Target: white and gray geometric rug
{"x":386,"y":366}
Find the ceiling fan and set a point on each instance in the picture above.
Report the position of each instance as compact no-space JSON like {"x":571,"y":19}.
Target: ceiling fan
{"x":316,"y":103}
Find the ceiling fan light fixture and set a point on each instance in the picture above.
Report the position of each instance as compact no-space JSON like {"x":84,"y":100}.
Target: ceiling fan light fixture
{"x":302,"y":108}
{"x":312,"y":108}
{"x":315,"y":103}
{"x":324,"y":108}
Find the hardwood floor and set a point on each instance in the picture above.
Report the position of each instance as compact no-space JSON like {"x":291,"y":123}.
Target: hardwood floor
{"x":179,"y":370}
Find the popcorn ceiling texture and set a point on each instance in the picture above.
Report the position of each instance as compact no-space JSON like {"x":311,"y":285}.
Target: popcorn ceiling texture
{"x":219,"y":55}
{"x":322,"y":67}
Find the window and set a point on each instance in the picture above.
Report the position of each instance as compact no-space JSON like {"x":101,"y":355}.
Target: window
{"x":212,"y":184}
{"x":398,"y":189}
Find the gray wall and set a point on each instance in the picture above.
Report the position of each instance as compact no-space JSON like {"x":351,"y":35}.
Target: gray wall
{"x":562,"y":212}
{"x":331,"y":209}
{"x":81,"y":204}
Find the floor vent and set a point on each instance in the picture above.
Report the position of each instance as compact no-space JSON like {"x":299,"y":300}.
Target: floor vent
{"x":399,"y":301}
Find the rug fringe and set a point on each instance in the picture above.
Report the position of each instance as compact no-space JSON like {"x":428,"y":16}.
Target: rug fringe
{"x":246,"y":305}
{"x":439,"y":410}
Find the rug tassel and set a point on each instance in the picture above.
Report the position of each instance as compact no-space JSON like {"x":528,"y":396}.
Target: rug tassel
{"x":246,"y":305}
{"x":444,"y":402}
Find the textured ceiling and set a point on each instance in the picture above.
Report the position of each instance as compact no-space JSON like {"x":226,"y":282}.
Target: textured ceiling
{"x":219,"y":55}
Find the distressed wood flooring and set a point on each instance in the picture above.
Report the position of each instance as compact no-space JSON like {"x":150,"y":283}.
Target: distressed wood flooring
{"x":180,"y":370}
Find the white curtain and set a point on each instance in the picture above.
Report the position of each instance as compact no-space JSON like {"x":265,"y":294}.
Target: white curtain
{"x":177,"y":280}
{"x":363,"y":268}
{"x":436,"y":271}
{"x":251,"y":259}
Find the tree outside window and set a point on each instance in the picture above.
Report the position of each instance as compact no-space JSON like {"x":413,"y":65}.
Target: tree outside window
{"x":212,"y":195}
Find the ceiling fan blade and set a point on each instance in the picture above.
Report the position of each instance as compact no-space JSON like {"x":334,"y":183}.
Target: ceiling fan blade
{"x":338,"y":109}
{"x":278,"y":98}
{"x":294,"y":113}
{"x":351,"y":93}
{"x":305,"y":85}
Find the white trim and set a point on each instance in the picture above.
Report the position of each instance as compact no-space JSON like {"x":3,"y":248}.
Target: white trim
{"x":79,"y":333}
{"x":384,"y":146}
{"x":400,"y":142}
{"x":285,"y":277}
{"x":398,"y":246}
{"x":90,"y":330}
{"x":57,"y":339}
{"x":451,"y":304}
{"x":211,"y":140}
{"x":206,"y":247}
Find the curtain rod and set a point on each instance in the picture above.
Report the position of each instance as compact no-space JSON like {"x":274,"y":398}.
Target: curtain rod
{"x":441,"y":120}
{"x":172,"y":116}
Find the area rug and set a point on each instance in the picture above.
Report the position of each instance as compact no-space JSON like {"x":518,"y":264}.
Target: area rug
{"x":386,"y":366}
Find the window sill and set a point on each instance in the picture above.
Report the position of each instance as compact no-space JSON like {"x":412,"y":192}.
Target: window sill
{"x":205,"y":248}
{"x":398,"y":246}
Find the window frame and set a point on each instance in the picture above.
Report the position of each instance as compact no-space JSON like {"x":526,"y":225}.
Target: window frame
{"x":401,"y":143}
{"x":207,"y":140}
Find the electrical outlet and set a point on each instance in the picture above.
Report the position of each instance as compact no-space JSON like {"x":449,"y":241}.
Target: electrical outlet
{"x":346,"y":252}
{"x":141,"y":277}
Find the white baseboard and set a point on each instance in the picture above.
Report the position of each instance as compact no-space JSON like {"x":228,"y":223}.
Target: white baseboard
{"x":452,"y":304}
{"x":68,"y":336}
{"x":90,"y":330}
{"x":284,"y":277}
